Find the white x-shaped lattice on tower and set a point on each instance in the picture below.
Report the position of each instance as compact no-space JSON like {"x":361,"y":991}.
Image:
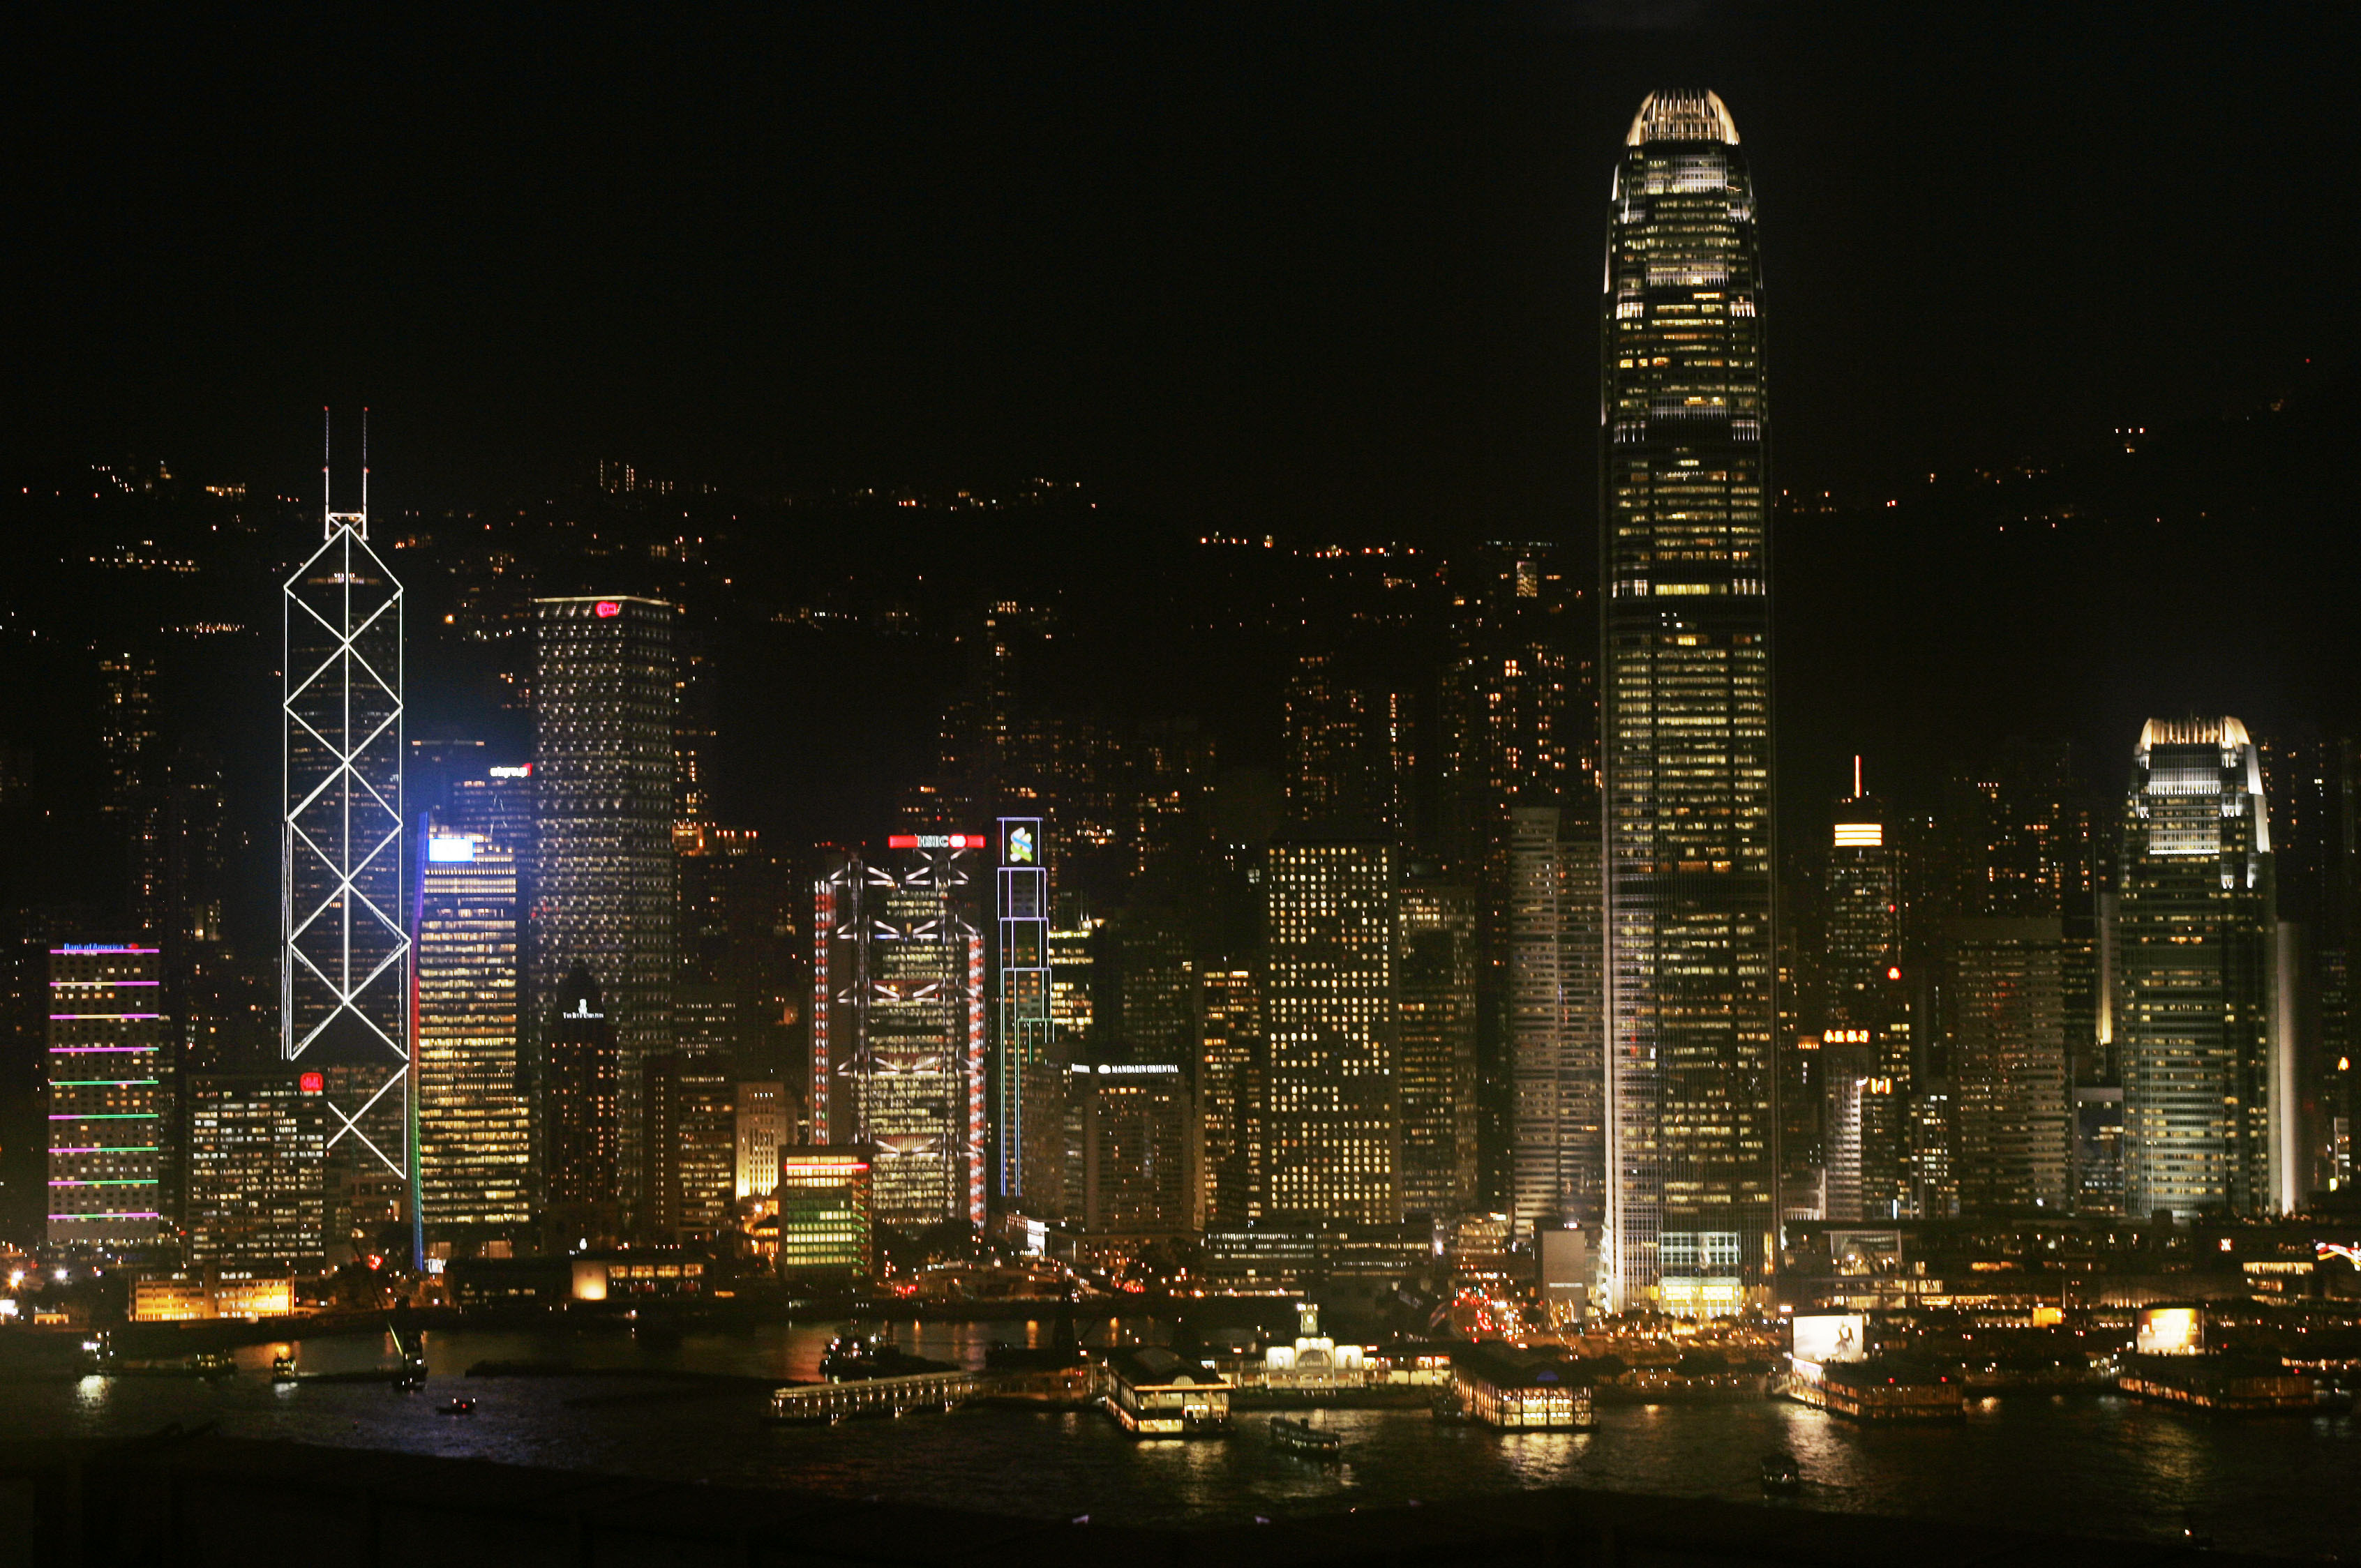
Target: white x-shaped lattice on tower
{"x":345,"y":969}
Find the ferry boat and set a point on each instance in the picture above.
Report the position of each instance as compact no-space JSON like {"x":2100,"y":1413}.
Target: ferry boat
{"x":459,"y":1408}
{"x":852,"y":1358}
{"x":1302,"y":1437}
{"x":282,"y":1368}
{"x":2219,"y":1384}
{"x":1153,"y":1392}
{"x":1877,"y":1390}
{"x":1780,"y":1473}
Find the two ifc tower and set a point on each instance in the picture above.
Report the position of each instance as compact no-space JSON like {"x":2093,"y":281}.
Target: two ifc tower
{"x":1687,"y":1153}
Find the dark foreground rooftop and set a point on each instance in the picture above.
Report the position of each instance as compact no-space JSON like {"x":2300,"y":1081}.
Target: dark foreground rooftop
{"x":198,"y":1499}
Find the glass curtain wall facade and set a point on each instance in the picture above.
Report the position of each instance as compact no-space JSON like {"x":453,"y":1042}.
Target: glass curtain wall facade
{"x":1557,"y":1029}
{"x":2195,"y":925}
{"x":2009,"y":1062}
{"x":475,"y":1133}
{"x":604,"y":887}
{"x":1685,"y":716}
{"x":343,"y":870}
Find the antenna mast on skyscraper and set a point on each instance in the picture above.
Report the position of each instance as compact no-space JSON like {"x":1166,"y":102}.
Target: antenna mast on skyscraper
{"x":357,"y":520}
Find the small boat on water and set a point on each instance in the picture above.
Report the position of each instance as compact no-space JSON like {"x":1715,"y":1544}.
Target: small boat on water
{"x":1302,"y":1437}
{"x":854,"y":1358}
{"x":282,"y":1369}
{"x":459,"y":1408}
{"x":1781,"y":1473}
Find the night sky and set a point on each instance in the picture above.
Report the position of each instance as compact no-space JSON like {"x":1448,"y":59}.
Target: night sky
{"x":1324,"y":267}
{"x":1330,"y":272}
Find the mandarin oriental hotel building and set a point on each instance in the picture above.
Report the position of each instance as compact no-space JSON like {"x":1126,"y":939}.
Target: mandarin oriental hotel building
{"x":106,"y":1071}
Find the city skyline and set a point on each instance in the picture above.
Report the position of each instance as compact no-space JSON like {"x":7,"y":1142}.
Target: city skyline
{"x":966,"y":868}
{"x":625,"y":864}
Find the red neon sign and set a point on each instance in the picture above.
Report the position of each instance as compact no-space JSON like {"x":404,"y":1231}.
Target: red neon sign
{"x":606,"y":609}
{"x":311,"y":1083}
{"x":935,"y":842}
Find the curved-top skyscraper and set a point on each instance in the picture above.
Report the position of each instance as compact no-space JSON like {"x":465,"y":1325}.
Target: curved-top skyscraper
{"x":1684,"y":576}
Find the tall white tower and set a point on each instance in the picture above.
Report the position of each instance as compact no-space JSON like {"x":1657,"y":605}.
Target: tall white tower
{"x":345,"y":945}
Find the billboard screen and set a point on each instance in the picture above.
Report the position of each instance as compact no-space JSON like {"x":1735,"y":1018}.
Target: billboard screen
{"x":2171,"y":1331}
{"x":1831,"y":1336}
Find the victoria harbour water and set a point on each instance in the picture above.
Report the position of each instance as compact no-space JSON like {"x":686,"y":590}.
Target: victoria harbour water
{"x":2089,"y":1464}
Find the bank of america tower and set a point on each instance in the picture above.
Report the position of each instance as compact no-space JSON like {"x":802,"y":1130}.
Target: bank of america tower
{"x":1686,"y":714}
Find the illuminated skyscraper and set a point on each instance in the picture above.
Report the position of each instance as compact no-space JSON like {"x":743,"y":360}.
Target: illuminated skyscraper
{"x":740,"y":939}
{"x":1865,"y":1030}
{"x":897,"y":1062}
{"x":765,"y":1124}
{"x":1020,"y":991}
{"x":1145,"y":979}
{"x":604,"y":888}
{"x":1134,"y":1146}
{"x":2020,"y":847}
{"x":475,"y":1130}
{"x":1073,"y":951}
{"x":822,"y":1203}
{"x":1332,"y":1129}
{"x":688,"y":1099}
{"x":2194,"y":937}
{"x":1557,"y":1023}
{"x":2008,"y":1061}
{"x":707,"y":1153}
{"x":495,"y":801}
{"x":2316,"y":851}
{"x":1229,"y":1080}
{"x":107,"y":1039}
{"x":1516,"y":728}
{"x":344,"y":909}
{"x":1685,"y":717}
{"x":2098,"y":1149}
{"x":579,"y":1099}
{"x":1351,"y":749}
{"x":255,"y":1193}
{"x":1437,"y":981}
{"x":135,"y":797}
